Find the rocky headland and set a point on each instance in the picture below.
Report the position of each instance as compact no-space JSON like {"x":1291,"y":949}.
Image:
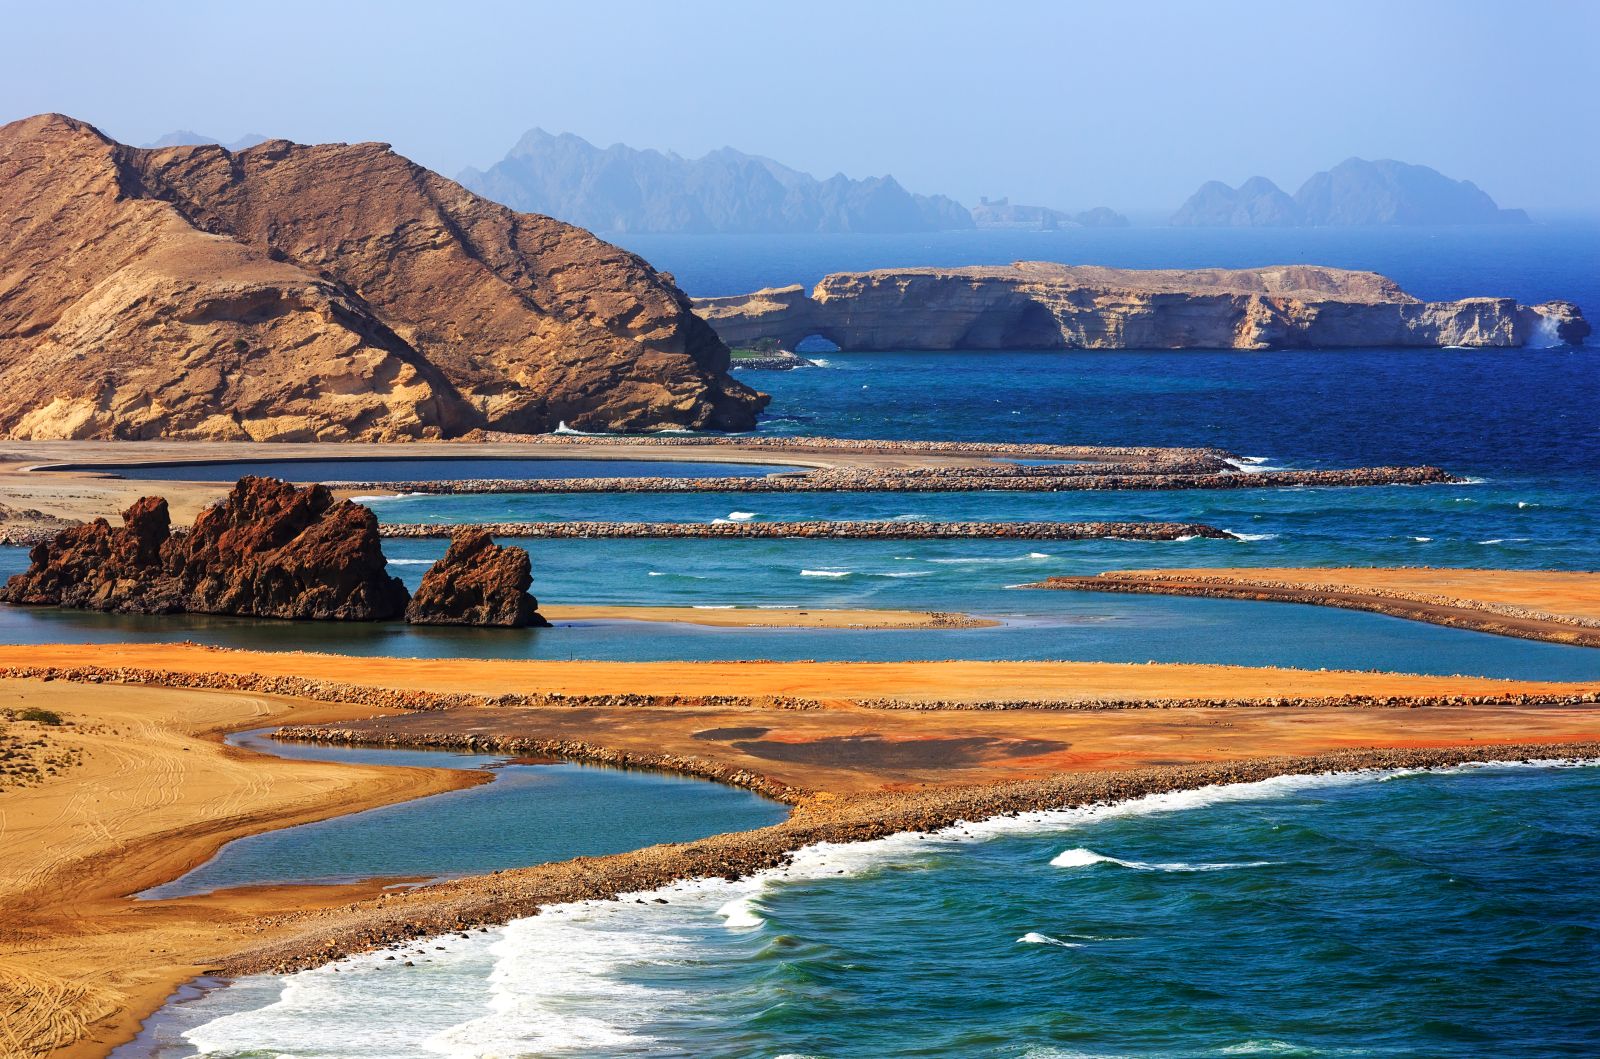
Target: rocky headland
{"x":478,"y":582}
{"x":1041,"y":305}
{"x":269,"y":550}
{"x":320,"y":293}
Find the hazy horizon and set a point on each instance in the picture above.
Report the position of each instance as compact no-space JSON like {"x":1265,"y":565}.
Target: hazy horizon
{"x":1069,"y":106}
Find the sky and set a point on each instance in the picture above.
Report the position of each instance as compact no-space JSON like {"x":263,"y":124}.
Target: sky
{"x":1065,"y":104}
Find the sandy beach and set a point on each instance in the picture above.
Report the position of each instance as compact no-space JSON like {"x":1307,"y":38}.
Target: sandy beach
{"x":156,"y":792}
{"x":1554,"y":605}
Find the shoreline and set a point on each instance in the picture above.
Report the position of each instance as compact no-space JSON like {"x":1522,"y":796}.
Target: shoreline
{"x":462,"y":904}
{"x":771,"y":617}
{"x":1324,"y":588}
{"x":885,"y":765}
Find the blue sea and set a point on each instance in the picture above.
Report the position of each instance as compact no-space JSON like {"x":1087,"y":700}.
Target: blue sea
{"x":1436,"y":915}
{"x":1428,"y":915}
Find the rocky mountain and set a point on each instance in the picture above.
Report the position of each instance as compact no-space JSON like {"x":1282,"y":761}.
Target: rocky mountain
{"x":1041,"y":305}
{"x":1354,"y":192}
{"x":1003,"y":213}
{"x":621,"y":189}
{"x":330,"y":292}
{"x":185,"y":138}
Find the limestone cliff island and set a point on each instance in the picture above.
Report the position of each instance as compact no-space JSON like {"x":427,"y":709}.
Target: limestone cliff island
{"x":1041,"y":305}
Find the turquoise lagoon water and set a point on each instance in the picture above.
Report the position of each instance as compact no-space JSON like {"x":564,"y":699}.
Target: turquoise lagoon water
{"x":1436,"y":915}
{"x":529,"y":813}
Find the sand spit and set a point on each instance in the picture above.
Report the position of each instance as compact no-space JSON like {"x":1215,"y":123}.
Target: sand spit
{"x":1021,"y":686}
{"x":1557,"y":606}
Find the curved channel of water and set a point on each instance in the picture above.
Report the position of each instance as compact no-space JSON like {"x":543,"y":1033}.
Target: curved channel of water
{"x":531,"y":813}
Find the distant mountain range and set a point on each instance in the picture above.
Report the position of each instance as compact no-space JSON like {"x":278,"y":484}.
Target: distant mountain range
{"x":1354,"y":192}
{"x":623,"y":189}
{"x":185,"y":138}
{"x":1002,"y":213}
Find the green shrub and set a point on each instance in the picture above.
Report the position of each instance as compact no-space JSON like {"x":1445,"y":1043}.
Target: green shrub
{"x":33,"y":713}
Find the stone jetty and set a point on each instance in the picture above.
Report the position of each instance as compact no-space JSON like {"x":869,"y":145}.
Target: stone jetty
{"x":933,"y":480}
{"x":878,"y":529}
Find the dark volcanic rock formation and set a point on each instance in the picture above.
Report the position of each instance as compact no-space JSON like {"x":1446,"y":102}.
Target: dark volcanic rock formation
{"x":476,"y":583}
{"x":1038,"y":305}
{"x":1354,"y":192}
{"x":621,"y":189}
{"x":267,"y":550}
{"x":333,"y":292}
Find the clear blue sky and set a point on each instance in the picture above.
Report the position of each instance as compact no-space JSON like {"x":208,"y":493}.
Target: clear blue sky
{"x":1064,"y":104}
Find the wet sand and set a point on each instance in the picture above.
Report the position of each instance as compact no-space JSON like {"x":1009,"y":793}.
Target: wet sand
{"x":771,"y":617}
{"x":1557,"y":606}
{"x":154,"y":793}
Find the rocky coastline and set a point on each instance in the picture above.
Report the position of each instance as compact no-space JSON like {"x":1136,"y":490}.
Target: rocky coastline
{"x":314,"y":938}
{"x":929,"y":480}
{"x":881,"y":529}
{"x":1043,"y":305}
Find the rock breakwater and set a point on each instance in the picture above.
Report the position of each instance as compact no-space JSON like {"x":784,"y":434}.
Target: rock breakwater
{"x":884,"y":529}
{"x":927,"y":480}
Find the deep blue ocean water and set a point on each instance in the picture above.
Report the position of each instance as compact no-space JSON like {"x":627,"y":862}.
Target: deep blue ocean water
{"x":1434,"y":915}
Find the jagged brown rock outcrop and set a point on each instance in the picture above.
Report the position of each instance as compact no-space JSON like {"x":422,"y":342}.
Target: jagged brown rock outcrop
{"x":267,"y":550}
{"x":477,"y":582}
{"x":1040,"y":305}
{"x":332,"y":292}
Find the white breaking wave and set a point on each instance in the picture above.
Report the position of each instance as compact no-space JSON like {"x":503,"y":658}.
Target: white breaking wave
{"x":1506,"y":540}
{"x":1083,"y":858}
{"x":1252,"y":464}
{"x":825,"y":573}
{"x":669,"y":573}
{"x":715,"y":606}
{"x":562,"y":428}
{"x":565,"y":982}
{"x":1252,"y":536}
{"x":1422,"y":540}
{"x":410,"y":562}
{"x":1033,"y":937}
{"x":374,"y":498}
{"x":741,"y":516}
{"x":988,"y":561}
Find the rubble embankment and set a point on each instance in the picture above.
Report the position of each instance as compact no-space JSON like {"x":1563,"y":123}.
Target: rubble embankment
{"x":931,"y":480}
{"x":881,"y":529}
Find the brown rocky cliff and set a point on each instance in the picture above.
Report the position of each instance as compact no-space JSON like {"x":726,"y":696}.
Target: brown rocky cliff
{"x":1040,"y":305}
{"x":477,"y":583}
{"x":267,"y":550}
{"x":320,"y":293}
